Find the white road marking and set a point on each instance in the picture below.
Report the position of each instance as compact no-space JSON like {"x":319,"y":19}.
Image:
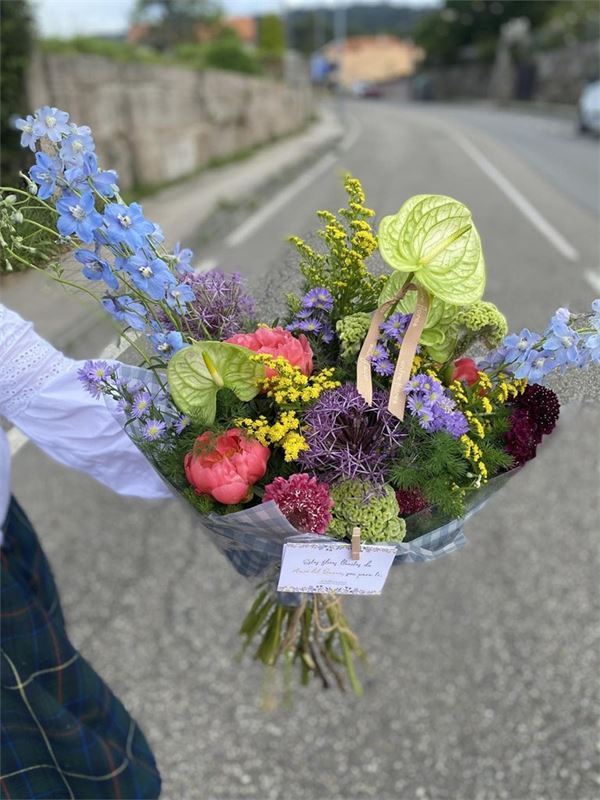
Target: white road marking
{"x":350,"y":138}
{"x":593,"y":278}
{"x":256,"y":220}
{"x":556,"y":239}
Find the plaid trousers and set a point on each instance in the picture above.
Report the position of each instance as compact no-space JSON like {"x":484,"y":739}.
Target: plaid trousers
{"x":63,"y":732}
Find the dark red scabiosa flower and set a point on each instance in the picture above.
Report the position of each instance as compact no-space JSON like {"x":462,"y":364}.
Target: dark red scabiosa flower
{"x":542,"y":407}
{"x":410,"y":501}
{"x":521,"y":439}
{"x":303,"y":500}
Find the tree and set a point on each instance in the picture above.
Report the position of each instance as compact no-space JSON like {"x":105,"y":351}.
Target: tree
{"x":271,"y":36}
{"x":474,"y":25}
{"x":173,"y":21}
{"x":16,"y":39}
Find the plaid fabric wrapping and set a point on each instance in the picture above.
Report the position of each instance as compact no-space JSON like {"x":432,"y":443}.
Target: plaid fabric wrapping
{"x":63,"y":733}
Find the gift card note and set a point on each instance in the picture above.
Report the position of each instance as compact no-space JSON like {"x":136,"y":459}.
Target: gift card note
{"x":321,"y":567}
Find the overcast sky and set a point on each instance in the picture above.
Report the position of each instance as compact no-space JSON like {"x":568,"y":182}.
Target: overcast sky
{"x":66,"y":18}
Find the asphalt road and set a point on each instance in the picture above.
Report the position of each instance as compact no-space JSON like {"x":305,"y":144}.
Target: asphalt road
{"x":483,"y":682}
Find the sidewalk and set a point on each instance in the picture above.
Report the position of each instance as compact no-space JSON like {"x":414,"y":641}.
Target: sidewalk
{"x":72,"y":321}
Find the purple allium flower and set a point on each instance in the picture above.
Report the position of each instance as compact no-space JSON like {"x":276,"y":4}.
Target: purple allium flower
{"x":347,"y":438}
{"x":303,"y":500}
{"x":220,"y":308}
{"x":318,"y":298}
{"x":141,"y":403}
{"x":153,"y":429}
{"x":93,"y":374}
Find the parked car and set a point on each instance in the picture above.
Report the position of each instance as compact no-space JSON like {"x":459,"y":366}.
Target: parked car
{"x":366,"y":89}
{"x":589,"y":109}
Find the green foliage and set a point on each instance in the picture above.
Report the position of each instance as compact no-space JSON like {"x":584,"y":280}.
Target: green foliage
{"x":16,"y":38}
{"x":349,"y":241}
{"x":271,"y":36}
{"x":570,"y":21}
{"x":27,"y":232}
{"x":446,"y":33}
{"x":230,"y":54}
{"x":171,"y":22}
{"x":107,"y":48}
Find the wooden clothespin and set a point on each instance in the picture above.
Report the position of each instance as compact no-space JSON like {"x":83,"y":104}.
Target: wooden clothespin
{"x":355,"y":554}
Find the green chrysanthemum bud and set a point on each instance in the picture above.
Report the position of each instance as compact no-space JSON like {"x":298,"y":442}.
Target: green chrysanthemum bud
{"x":374,"y":509}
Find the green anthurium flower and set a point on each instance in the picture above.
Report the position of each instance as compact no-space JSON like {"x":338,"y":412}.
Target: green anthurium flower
{"x":196,"y":374}
{"x":434,"y":238}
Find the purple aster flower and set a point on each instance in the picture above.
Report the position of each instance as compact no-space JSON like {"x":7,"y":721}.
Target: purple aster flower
{"x":181,"y":423}
{"x":126,"y":225}
{"x":383,"y":366}
{"x":327,"y":334}
{"x":167,"y":343}
{"x":347,"y":438}
{"x":96,"y":268}
{"x":93,"y":374}
{"x":29,"y":137}
{"x":309,"y":325}
{"x":52,"y":123}
{"x":318,"y":298}
{"x":395,"y":326}
{"x":87,"y":172}
{"x":78,"y":215}
{"x":220,"y":309}
{"x":125,"y":309}
{"x":141,"y":403}
{"x":46,"y":172}
{"x":179,"y":295}
{"x":153,"y":429}
{"x":432,"y":407}
{"x":456,"y":424}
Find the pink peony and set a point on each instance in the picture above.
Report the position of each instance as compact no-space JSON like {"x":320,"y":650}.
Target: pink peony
{"x":303,"y":501}
{"x":226,"y":466}
{"x":278,"y":342}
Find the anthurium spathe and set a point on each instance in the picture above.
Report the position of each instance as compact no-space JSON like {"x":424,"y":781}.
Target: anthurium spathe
{"x":433,"y":238}
{"x":198,"y":372}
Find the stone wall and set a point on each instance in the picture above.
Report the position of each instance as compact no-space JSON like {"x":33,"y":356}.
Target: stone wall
{"x":157,"y":123}
{"x":554,"y":76}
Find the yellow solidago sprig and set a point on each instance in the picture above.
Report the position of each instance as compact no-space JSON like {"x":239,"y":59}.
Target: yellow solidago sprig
{"x":349,"y":240}
{"x":284,"y":432}
{"x":289,"y":387}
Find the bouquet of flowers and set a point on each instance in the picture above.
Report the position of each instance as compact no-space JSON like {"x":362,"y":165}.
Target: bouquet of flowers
{"x":361,"y":414}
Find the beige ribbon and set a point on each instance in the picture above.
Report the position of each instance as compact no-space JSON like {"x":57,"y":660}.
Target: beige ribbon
{"x":364,"y":382}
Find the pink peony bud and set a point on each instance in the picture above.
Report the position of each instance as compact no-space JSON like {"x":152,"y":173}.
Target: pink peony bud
{"x":278,"y":342}
{"x":226,"y":466}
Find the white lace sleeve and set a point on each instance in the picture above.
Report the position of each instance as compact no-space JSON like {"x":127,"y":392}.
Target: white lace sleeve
{"x":27,"y":363}
{"x":41,"y":394}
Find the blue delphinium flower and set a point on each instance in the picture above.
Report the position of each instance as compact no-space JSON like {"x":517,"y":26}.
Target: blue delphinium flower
{"x":78,"y":215}
{"x":153,"y":429}
{"x":149,"y":274}
{"x":93,"y":374}
{"x":141,"y":403}
{"x":52,"y":123}
{"x":46,"y":172}
{"x":96,"y":268}
{"x":181,"y":259}
{"x":87,"y":172}
{"x":125,"y":309}
{"x":536,"y":366}
{"x":29,"y":137}
{"x":167,"y":343}
{"x":562,"y":341}
{"x":516,"y":346}
{"x":126,"y":225}
{"x":179,"y":295}
{"x":75,"y":146}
